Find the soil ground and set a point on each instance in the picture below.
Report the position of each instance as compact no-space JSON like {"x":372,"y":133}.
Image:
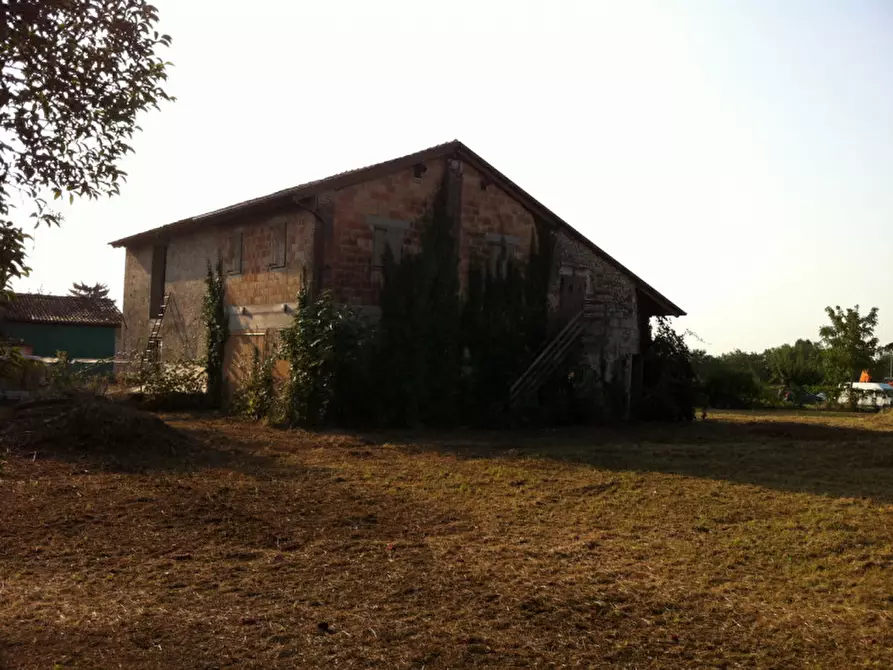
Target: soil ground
{"x":746,"y":540}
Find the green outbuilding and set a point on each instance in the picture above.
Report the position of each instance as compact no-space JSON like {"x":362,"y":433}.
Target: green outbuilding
{"x":86,"y":329}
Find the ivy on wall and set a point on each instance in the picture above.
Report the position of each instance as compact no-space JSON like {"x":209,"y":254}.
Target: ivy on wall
{"x":436,"y":356}
{"x":418,"y":361}
{"x":217,"y":331}
{"x":504,"y":323}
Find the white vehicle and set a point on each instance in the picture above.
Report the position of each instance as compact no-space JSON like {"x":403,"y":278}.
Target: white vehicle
{"x":870,"y":395}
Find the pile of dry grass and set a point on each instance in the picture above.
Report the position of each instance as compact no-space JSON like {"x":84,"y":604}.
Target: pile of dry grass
{"x":884,"y":418}
{"x":88,"y":424}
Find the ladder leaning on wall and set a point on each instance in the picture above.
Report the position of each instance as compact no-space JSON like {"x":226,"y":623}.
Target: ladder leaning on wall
{"x":153,"y":346}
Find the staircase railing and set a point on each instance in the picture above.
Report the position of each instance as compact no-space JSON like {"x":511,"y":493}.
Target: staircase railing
{"x":546,"y":361}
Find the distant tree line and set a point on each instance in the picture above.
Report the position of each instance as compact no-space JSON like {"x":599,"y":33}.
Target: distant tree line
{"x":846,"y":347}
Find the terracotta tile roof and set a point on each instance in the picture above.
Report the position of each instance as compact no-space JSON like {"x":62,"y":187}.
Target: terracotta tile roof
{"x":61,"y":309}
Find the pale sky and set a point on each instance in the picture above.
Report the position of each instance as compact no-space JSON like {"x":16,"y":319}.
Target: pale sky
{"x":738,"y":156}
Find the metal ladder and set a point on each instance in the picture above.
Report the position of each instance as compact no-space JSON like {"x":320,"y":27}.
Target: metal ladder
{"x":150,"y":354}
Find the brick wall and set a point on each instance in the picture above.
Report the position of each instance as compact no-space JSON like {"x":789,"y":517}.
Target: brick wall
{"x":186,"y":267}
{"x":182,"y":332}
{"x":349,"y":245}
{"x":258,"y":283}
{"x":488,"y":211}
{"x":489,"y":215}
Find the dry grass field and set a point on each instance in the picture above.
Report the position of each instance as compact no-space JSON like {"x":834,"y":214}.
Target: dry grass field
{"x":746,"y":540}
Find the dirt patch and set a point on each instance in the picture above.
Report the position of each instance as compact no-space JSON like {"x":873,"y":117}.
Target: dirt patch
{"x":91,"y":427}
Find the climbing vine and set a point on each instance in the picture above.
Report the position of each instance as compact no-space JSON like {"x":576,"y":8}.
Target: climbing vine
{"x":435,"y":356}
{"x":217,"y":329}
{"x":419,"y":343}
{"x":504,"y":323}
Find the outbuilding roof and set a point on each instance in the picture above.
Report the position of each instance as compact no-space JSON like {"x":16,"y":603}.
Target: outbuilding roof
{"x":60,"y":309}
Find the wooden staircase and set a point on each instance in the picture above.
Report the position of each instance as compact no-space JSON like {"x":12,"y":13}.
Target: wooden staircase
{"x":152,"y":350}
{"x":547,"y":361}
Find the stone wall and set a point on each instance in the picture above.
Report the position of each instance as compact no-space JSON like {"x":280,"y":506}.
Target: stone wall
{"x":611,"y":337}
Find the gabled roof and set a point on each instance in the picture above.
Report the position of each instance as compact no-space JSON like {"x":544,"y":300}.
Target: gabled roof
{"x":454,"y":149}
{"x":60,"y":309}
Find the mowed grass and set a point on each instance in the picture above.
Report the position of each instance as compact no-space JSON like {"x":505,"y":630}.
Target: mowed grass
{"x":744,"y":541}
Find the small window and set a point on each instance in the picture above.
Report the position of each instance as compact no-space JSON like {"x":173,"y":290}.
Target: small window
{"x":385,"y":238}
{"x":233,"y":256}
{"x":279,"y":234}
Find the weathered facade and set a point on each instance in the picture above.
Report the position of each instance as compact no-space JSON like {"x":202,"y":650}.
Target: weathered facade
{"x":331,"y":234}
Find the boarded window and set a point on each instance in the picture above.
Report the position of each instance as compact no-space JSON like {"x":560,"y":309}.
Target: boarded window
{"x":279,"y":232}
{"x":156,"y":290}
{"x":499,"y":255}
{"x":232,"y":260}
{"x":386,"y":238}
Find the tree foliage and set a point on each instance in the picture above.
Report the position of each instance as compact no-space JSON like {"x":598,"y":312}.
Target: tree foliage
{"x":13,"y":260}
{"x":82,"y":290}
{"x":849,"y":341}
{"x":668,"y":378}
{"x":796,"y":365}
{"x":74,"y":75}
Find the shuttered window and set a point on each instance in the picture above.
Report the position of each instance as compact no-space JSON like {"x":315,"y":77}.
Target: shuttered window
{"x":278,"y":245}
{"x":232,"y":260}
{"x":386,"y":238}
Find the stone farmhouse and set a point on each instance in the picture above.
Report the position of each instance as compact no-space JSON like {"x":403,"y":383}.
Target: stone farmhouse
{"x":332,"y":234}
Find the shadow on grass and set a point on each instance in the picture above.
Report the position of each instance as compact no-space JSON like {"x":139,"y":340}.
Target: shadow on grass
{"x":839,"y":461}
{"x":148,"y":445}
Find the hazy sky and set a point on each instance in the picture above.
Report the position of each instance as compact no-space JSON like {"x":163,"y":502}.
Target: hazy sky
{"x":738,"y":156}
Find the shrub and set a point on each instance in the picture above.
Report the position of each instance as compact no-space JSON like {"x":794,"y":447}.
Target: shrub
{"x":668,"y":378}
{"x":183,"y":376}
{"x":325,"y":348}
{"x":257,"y":397}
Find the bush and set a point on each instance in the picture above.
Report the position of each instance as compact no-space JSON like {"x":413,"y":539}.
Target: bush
{"x":326,"y":347}
{"x":154,"y":380}
{"x":257,"y":397}
{"x":668,"y":378}
{"x":727,"y":388}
